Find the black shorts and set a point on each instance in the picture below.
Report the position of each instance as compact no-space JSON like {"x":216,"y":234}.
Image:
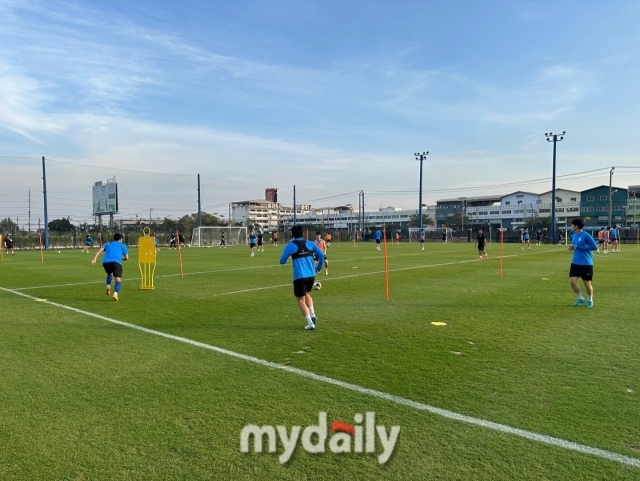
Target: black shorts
{"x":9,"y":245}
{"x":377,"y":241}
{"x":481,"y":247}
{"x":303,"y":285}
{"x":113,"y":269}
{"x":583,"y":272}
{"x":600,"y":241}
{"x":252,"y":246}
{"x":538,"y":238}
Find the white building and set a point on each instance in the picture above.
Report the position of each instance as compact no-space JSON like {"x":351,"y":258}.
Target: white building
{"x":518,"y":207}
{"x":263,"y":213}
{"x":567,"y":205}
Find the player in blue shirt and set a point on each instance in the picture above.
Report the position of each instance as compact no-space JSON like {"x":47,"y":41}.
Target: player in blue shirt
{"x":614,"y":236}
{"x":88,"y":242}
{"x":525,"y":238}
{"x":582,"y":246}
{"x":114,"y":253}
{"x":378,"y":237}
{"x":302,"y":253}
{"x":252,"y":242}
{"x":421,"y":238}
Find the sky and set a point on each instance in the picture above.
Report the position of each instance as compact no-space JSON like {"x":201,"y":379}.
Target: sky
{"x":334,"y":97}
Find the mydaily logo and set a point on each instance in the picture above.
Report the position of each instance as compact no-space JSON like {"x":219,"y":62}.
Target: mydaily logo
{"x":345,"y":438}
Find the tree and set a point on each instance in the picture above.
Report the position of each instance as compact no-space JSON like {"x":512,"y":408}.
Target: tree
{"x":535,"y":223}
{"x":61,"y":225}
{"x":426,"y":220}
{"x":8,"y":226}
{"x":457,"y":219}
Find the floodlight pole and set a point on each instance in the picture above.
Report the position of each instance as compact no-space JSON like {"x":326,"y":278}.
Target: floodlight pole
{"x":610,"y":200}
{"x":551,"y":137}
{"x":46,"y":214}
{"x":199,"y":205}
{"x":294,"y":205}
{"x":421,"y":157}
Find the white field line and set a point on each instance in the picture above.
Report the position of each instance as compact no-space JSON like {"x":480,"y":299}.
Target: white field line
{"x":199,"y":273}
{"x":503,"y":428}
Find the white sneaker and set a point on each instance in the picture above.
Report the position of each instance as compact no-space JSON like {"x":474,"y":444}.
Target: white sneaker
{"x":310,"y":327}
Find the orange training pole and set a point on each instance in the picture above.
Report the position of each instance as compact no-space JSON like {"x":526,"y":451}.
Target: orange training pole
{"x":386,"y":262}
{"x":179,"y":253}
{"x":100,"y":236}
{"x":41,"y":250}
{"x":501,"y":248}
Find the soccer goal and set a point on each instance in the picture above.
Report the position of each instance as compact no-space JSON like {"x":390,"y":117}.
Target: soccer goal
{"x":431,"y":233}
{"x":211,"y":236}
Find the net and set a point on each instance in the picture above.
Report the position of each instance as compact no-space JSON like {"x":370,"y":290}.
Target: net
{"x":212,"y":236}
{"x":431,"y":234}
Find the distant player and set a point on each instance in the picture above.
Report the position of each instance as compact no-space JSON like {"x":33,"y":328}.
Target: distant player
{"x":421,"y":238}
{"x":260,"y":245}
{"x":8,"y":245}
{"x":524,"y":237}
{"x":155,"y":239}
{"x":327,"y":239}
{"x":253,"y":238}
{"x":174,"y":242}
{"x":601,"y":239}
{"x":378,"y":238}
{"x":606,"y":235}
{"x":615,"y":239}
{"x":582,"y":245}
{"x":538,"y":237}
{"x":275,"y":239}
{"x":88,"y":242}
{"x":397,"y":238}
{"x":322,"y":245}
{"x":444,"y":236}
{"x":114,"y":253}
{"x":304,"y":271}
{"x":181,"y":239}
{"x":481,"y":242}
{"x":560,"y":239}
{"x":223,"y":242}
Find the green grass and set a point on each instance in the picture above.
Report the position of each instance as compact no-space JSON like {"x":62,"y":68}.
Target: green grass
{"x":82,"y":398}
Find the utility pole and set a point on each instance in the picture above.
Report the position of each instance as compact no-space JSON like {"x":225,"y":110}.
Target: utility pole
{"x":420,"y":157}
{"x":610,"y":199}
{"x":294,"y":205}
{"x":551,"y":137}
{"x":29,"y":224}
{"x":199,"y":205}
{"x":46,"y":215}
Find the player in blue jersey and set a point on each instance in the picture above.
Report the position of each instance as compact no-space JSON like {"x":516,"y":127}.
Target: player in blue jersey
{"x":582,"y":245}
{"x":615,"y":239}
{"x":378,"y":237}
{"x":114,"y":253}
{"x":421,"y":238}
{"x":525,"y":238}
{"x":302,"y":253}
{"x":252,"y":242}
{"x":88,"y":242}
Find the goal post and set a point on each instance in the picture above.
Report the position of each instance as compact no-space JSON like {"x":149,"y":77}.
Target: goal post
{"x":207,"y":236}
{"x":431,"y":233}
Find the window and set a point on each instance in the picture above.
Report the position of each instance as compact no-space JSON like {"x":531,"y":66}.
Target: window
{"x":506,"y":212}
{"x":507,"y":202}
{"x":590,"y":198}
{"x":517,"y":211}
{"x":573,"y":199}
{"x":494,"y":212}
{"x":519,"y":202}
{"x":603,"y":197}
{"x":519,"y":196}
{"x":559,"y":209}
{"x":572,"y":209}
{"x":545,"y":210}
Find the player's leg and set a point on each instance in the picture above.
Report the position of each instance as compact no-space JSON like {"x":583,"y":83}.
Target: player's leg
{"x":326,"y":266}
{"x":301,"y":288}
{"x":108,"y":268}
{"x":589,"y":288}
{"x":309,"y":302}
{"x":117,"y":274}
{"x":576,"y":288}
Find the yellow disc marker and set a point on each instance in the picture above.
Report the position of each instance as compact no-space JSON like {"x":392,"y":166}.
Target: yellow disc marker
{"x":41,"y":300}
{"x":439,"y":323}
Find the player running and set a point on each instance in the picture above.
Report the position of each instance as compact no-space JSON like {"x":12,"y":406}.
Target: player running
{"x":481,"y":242}
{"x":615,"y":239}
{"x":421,"y":238}
{"x":538,"y":237}
{"x":397,"y":238}
{"x":304,"y":272}
{"x":378,"y":237}
{"x":322,"y":245}
{"x":327,"y":239}
{"x":174,"y":242}
{"x":156,"y":242}
{"x":88,"y":242}
{"x":8,"y":245}
{"x":223,"y":241}
{"x":114,"y":253}
{"x":275,"y":239}
{"x":524,"y":237}
{"x":252,"y":242}
{"x":260,"y":244}
{"x":582,"y":245}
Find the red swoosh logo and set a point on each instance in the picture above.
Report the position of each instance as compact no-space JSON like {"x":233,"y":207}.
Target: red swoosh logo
{"x":340,"y":426}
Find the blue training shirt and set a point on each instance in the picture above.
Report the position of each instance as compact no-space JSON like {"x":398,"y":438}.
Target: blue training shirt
{"x":378,"y":235}
{"x":583,"y":246}
{"x":304,"y":266}
{"x":88,"y":241}
{"x":252,"y":238}
{"x":613,"y":234}
{"x":114,"y":252}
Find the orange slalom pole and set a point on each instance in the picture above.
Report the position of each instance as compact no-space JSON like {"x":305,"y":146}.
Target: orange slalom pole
{"x":386,"y":262}
{"x":41,"y":249}
{"x":100,"y":236}
{"x":179,"y":253}
{"x":501,"y":248}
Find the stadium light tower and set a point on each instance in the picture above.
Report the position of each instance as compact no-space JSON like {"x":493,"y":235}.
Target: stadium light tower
{"x":555,"y":138}
{"x":421,"y":157}
{"x":610,"y":199}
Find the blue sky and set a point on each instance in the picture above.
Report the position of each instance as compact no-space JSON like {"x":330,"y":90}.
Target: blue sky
{"x":332,"y":96}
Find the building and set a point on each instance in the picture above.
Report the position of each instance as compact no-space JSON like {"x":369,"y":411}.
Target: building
{"x":271,"y":194}
{"x":517,"y":208}
{"x":567,"y":206}
{"x":633,"y":206}
{"x":594,"y":205}
{"x":479,"y":210}
{"x":263,"y":214}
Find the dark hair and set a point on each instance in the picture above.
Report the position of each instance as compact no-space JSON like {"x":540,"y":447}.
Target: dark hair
{"x":317,"y":233}
{"x":579,"y":223}
{"x":117,"y":237}
{"x":615,"y":226}
{"x":296,"y":231}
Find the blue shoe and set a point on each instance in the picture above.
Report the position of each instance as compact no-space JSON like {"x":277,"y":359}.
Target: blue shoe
{"x":579,"y":302}
{"x":589,"y":303}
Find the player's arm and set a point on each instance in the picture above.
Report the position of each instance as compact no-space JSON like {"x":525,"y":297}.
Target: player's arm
{"x":97,"y":254}
{"x":286,"y":253}
{"x":125,"y":255}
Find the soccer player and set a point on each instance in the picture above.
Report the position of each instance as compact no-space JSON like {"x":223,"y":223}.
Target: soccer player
{"x":157,"y":244}
{"x":378,"y":237}
{"x":322,"y":245}
{"x":481,"y":243}
{"x":88,"y":242}
{"x":252,"y":242}
{"x":614,"y":239}
{"x":174,"y":241}
{"x":582,"y":245}
{"x":607,"y":234}
{"x":223,"y":242}
{"x":275,"y":239}
{"x":601,"y":238}
{"x":8,"y":245}
{"x":559,"y":238}
{"x":260,"y":245}
{"x":181,"y":239}
{"x":421,"y":237}
{"x":397,"y":237}
{"x":538,"y":237}
{"x":525,"y":238}
{"x":444,"y":236}
{"x":304,"y":272}
{"x":327,"y":239}
{"x":114,"y":253}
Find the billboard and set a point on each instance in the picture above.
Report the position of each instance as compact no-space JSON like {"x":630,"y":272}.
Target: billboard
{"x":105,"y":197}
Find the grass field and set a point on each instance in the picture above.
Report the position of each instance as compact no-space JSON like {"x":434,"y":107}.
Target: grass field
{"x":83,"y":398}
